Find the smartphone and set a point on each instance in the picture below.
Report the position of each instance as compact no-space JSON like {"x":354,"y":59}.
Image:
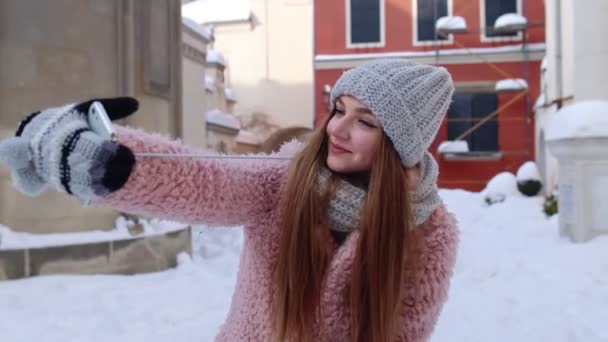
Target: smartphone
{"x":99,"y":121}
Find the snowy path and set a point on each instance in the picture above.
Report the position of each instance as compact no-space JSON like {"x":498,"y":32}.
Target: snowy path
{"x":515,"y":281}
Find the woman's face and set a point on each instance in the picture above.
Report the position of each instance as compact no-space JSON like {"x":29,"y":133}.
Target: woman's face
{"x":353,"y":135}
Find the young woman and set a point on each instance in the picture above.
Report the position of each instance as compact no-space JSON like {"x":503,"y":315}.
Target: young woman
{"x":348,"y":241}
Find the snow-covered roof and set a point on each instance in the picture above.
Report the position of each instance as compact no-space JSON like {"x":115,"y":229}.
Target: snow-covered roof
{"x":510,"y":22}
{"x":209,"y":83}
{"x":229,"y":94}
{"x":457,"y":146}
{"x":216,"y":11}
{"x":203,"y":31}
{"x":511,"y":84}
{"x":528,"y":171}
{"x":451,"y":24}
{"x":219,"y":118}
{"x":246,"y":137}
{"x":586,"y":119}
{"x":215,"y":57}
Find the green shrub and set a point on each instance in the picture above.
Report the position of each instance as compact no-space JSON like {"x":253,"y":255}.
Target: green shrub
{"x":550,"y":205}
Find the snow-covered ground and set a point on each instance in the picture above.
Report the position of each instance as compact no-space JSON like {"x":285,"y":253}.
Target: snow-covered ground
{"x":515,"y":280}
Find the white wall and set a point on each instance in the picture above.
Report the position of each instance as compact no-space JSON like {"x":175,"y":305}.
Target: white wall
{"x":270,"y":66}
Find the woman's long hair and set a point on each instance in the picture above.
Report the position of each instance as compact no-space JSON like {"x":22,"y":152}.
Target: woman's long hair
{"x":386,"y":248}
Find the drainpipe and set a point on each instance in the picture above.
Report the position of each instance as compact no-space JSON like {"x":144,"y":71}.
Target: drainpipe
{"x":558,"y":52}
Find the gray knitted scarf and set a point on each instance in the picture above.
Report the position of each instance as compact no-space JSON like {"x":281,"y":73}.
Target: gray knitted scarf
{"x":346,"y":203}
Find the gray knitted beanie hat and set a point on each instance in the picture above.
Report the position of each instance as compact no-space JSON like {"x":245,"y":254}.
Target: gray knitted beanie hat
{"x":408,"y":98}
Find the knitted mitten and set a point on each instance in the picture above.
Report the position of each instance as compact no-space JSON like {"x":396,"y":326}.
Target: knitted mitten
{"x":56,"y":148}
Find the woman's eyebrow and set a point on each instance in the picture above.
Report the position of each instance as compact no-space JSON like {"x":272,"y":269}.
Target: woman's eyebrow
{"x":363,"y":110}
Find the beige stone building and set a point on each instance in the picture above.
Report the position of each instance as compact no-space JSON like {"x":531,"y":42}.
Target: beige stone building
{"x":267,"y":47}
{"x":195,"y":41}
{"x":65,"y":51}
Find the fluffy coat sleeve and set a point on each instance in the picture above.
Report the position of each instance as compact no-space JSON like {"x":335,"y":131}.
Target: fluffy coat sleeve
{"x":194,"y":190}
{"x":426,"y":294}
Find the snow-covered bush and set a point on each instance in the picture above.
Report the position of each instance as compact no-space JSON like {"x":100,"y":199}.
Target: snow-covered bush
{"x":528,"y":179}
{"x":550,"y":204}
{"x":500,"y":187}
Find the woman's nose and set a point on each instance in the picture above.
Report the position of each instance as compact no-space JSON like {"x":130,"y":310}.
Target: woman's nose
{"x":342,"y":128}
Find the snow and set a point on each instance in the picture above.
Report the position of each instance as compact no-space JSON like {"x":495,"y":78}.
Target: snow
{"x":514,"y":280}
{"x":534,"y":47}
{"x":451,"y":24}
{"x":458,"y":146}
{"x":540,"y":102}
{"x":585,"y":119}
{"x":246,"y":137}
{"x":512,"y":84}
{"x":528,"y":171}
{"x":219,"y":118}
{"x":10,"y":240}
{"x":229,"y":94}
{"x":202,"y":31}
{"x":215,"y":57}
{"x":210,"y":83}
{"x":503,"y":183}
{"x":214,"y":11}
{"x":510,"y":22}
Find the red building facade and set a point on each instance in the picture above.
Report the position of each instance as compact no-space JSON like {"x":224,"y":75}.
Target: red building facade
{"x":350,"y":32}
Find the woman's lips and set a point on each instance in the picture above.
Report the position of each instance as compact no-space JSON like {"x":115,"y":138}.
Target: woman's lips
{"x":333,"y":148}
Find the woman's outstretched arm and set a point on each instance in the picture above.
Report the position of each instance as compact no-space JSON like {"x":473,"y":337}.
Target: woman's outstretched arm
{"x":194,"y":190}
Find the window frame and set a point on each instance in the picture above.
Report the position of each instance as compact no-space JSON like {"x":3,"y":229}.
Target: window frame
{"x":416,"y":42}
{"x":482,"y":21}
{"x":473,"y":93}
{"x":349,"y":41}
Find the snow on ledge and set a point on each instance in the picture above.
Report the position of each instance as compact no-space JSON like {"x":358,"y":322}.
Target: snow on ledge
{"x":540,"y":102}
{"x":586,"y":119}
{"x":229,"y":94}
{"x":219,"y":118}
{"x":510,"y":22}
{"x":451,"y":25}
{"x":210,"y":83}
{"x":458,"y":146}
{"x":246,"y":137}
{"x":215,"y":57}
{"x":511,"y":84}
{"x":11,"y":240}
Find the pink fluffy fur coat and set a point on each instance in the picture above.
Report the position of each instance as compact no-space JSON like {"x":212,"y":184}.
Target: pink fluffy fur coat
{"x":237,"y":192}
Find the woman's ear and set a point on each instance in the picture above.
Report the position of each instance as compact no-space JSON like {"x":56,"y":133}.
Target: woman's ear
{"x":412,"y":175}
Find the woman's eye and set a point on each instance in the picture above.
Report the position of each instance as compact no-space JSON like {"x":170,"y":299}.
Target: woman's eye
{"x":367,"y":124}
{"x":339,"y":111}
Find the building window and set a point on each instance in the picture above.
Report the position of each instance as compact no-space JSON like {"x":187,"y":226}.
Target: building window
{"x":427,"y":13}
{"x":466,"y":110}
{"x":494,"y":9}
{"x":365,"y":22}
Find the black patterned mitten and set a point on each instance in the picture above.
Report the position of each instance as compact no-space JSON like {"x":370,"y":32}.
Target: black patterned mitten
{"x":56,"y":147}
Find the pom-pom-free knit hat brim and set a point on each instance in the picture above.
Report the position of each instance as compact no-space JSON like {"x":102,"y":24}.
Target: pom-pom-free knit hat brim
{"x":408,"y":98}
